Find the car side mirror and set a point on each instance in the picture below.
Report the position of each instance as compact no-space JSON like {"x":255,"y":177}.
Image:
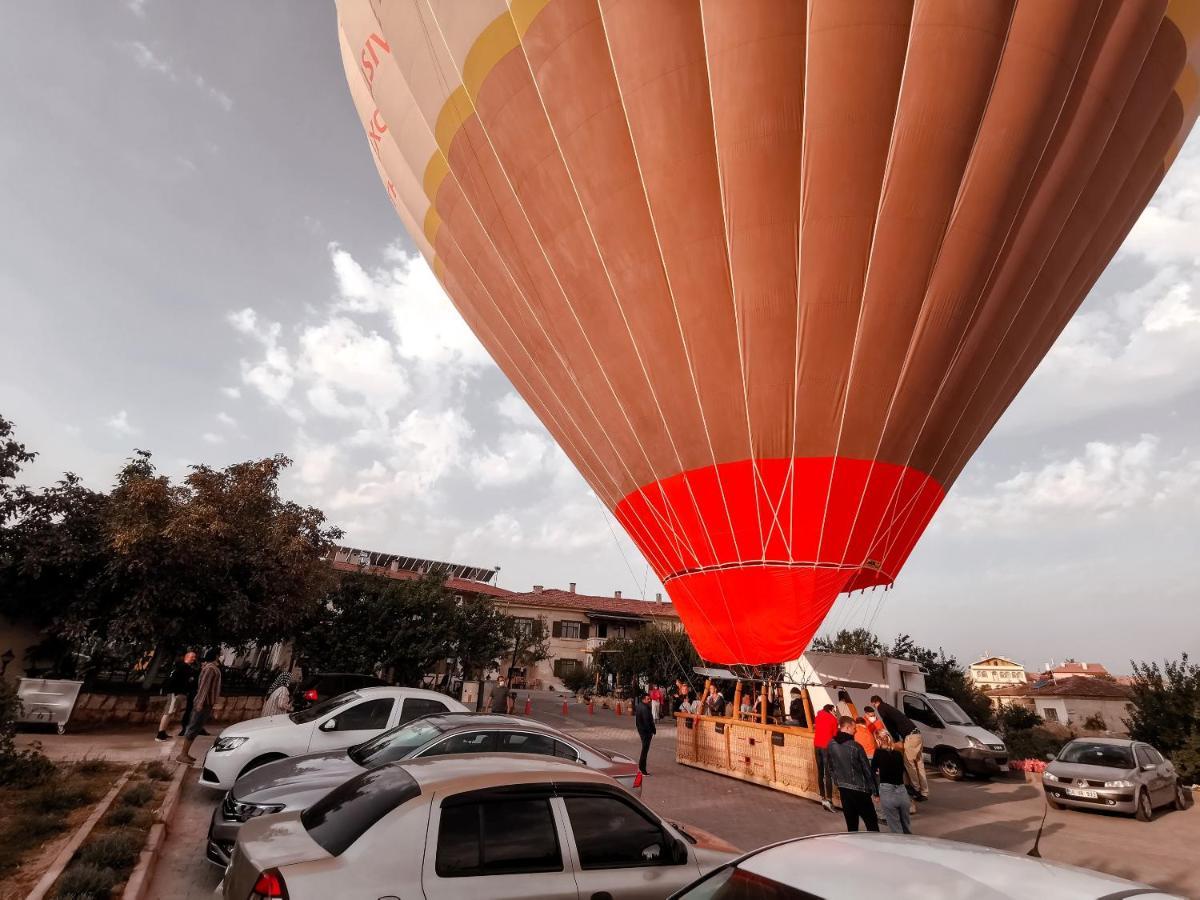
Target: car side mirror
{"x":1149,"y":767}
{"x":329,"y":724}
{"x":679,"y":854}
{"x":1050,"y":757}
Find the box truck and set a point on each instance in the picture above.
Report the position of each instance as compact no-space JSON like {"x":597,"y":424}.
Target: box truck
{"x":953,"y":743}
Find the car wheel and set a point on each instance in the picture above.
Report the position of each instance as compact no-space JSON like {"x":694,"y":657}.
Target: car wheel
{"x":261,"y":761}
{"x":1052,"y":803}
{"x":1145,"y":809}
{"x":1181,"y":798}
{"x":950,"y":765}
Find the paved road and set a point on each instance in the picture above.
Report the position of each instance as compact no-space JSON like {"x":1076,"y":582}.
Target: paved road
{"x":1004,"y":814}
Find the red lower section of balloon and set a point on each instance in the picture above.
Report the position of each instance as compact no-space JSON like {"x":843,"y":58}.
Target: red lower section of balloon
{"x":753,"y":553}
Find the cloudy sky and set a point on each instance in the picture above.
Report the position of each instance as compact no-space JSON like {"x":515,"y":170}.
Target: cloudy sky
{"x":197,"y":258}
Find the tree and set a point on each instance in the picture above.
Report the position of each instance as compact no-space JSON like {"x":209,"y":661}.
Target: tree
{"x":1017,"y":718}
{"x":1164,"y":709}
{"x":530,"y":640}
{"x":650,"y":654}
{"x":856,"y":642}
{"x":481,"y":635}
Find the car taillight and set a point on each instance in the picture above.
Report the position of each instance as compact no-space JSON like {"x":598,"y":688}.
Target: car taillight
{"x":637,"y":781}
{"x":269,"y":886}
{"x":311,"y":694}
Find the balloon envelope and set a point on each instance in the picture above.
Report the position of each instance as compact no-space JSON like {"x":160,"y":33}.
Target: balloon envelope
{"x":770,"y":272}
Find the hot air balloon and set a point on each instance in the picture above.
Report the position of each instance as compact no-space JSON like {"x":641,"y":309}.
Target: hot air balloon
{"x":769,"y":271}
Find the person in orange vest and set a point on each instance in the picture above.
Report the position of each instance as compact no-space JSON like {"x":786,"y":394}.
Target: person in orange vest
{"x":824,"y":728}
{"x":864,"y":736}
{"x":874,"y":723}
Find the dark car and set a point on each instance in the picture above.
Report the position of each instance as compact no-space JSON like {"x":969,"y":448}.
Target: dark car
{"x":322,"y":686}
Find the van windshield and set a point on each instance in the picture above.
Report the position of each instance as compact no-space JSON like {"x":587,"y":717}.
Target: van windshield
{"x":951,"y":712}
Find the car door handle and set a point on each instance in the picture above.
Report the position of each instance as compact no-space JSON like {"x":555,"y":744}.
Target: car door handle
{"x":602,"y":895}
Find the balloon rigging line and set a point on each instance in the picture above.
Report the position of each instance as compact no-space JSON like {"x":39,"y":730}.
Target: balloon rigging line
{"x":562,"y":290}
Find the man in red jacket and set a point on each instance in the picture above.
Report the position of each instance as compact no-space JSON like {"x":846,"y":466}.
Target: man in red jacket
{"x":825,"y":726}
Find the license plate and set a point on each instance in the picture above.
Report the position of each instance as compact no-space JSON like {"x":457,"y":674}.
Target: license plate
{"x":1087,"y":795}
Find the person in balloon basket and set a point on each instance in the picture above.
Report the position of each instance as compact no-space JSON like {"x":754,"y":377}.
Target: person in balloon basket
{"x":853,"y":776}
{"x":796,"y":709}
{"x":208,"y":692}
{"x":643,"y":720}
{"x":909,"y":736}
{"x":824,"y":729}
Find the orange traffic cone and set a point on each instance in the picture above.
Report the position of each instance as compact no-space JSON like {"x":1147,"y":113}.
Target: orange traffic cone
{"x":564,"y":707}
{"x":528,"y":706}
{"x":618,"y":707}
{"x":591,"y":707}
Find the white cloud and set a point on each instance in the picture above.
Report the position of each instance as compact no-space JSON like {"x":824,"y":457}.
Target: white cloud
{"x":144,"y":57}
{"x":218,"y":96}
{"x":1168,"y":231}
{"x":340,"y":358}
{"x":137,"y":7}
{"x":147,"y":59}
{"x":212,"y":437}
{"x":233,"y":393}
{"x":119,"y":425}
{"x":520,"y":456}
{"x":315,"y":463}
{"x":226,"y":419}
{"x":516,"y":410}
{"x":1103,"y":483}
{"x":273,"y":375}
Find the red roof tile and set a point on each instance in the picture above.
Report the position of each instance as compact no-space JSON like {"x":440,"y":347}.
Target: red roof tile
{"x":1078,"y":668}
{"x":461,"y":585}
{"x":553,"y":598}
{"x":1076,"y":686}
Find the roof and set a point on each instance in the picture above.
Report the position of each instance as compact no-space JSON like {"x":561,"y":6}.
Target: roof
{"x":553,"y":598}
{"x":993,"y":659}
{"x":1079,"y":668}
{"x":1075,"y":686}
{"x":462,"y":585}
{"x":820,"y":865}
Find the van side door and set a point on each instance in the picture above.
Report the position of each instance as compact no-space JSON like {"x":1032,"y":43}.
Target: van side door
{"x":933,"y":730}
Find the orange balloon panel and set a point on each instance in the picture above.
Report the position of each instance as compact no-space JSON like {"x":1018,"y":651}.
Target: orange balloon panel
{"x":770,"y":272}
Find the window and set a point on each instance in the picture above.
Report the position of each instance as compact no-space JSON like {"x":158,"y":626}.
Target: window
{"x":1155,"y":756}
{"x":497,"y":837}
{"x":523,"y":627}
{"x":518,"y":742}
{"x":571,"y":630}
{"x":369,"y":716}
{"x":471,"y":742}
{"x":610,"y":833}
{"x":915,"y":709}
{"x":564,"y":665}
{"x":394,"y":744}
{"x":415,"y":707}
{"x":1050,"y":714}
{"x":563,"y":751}
{"x":1143,"y":756}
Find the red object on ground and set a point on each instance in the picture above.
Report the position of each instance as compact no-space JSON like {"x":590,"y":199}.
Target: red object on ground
{"x":528,"y":706}
{"x":618,"y":707}
{"x":311,"y":695}
{"x":637,"y":779}
{"x":591,"y":707}
{"x":564,"y":707}
{"x":851,"y":525}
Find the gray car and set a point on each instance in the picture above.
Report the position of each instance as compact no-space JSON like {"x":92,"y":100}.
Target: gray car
{"x":1113,"y":774}
{"x":299,"y":781}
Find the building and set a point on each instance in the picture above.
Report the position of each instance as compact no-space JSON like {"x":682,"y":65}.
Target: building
{"x":996,"y":671}
{"x":579,"y":624}
{"x":1073,"y":669}
{"x":461,"y":579}
{"x":1081,"y":702}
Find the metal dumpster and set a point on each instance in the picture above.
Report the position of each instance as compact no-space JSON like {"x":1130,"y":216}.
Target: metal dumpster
{"x":47,"y":701}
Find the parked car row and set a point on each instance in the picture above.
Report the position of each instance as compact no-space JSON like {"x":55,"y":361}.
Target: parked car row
{"x":398,"y":792}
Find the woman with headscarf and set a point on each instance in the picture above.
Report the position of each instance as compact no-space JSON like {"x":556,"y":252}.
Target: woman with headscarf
{"x":279,"y":696}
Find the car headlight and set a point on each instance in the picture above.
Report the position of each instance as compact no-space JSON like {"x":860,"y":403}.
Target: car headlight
{"x":241,"y":812}
{"x":1119,"y":783}
{"x":975,"y":743}
{"x":228,"y":743}
{"x":1050,"y":776}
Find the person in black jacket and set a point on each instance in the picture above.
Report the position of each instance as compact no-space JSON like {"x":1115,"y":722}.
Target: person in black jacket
{"x":853,"y":776}
{"x":643,"y":718}
{"x":180,"y":691}
{"x":906,"y":733}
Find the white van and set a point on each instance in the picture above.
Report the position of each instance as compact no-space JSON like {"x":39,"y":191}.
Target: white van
{"x":953,"y":743}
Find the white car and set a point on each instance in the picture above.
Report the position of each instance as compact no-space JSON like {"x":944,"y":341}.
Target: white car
{"x":498,"y":826}
{"x":833,"y":866}
{"x":337,"y":723}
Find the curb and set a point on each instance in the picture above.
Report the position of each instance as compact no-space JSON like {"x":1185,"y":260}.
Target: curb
{"x":143,"y":873}
{"x":81,"y":833}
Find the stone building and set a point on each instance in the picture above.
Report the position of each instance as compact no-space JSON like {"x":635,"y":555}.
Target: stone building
{"x":1081,"y":702}
{"x":996,"y":671}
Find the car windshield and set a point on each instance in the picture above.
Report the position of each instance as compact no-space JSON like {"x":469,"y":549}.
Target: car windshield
{"x":395,"y":744}
{"x":317,"y":710}
{"x":1088,"y":753}
{"x":951,"y":712}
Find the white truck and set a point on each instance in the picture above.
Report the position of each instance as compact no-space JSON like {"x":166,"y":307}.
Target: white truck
{"x":953,"y":743}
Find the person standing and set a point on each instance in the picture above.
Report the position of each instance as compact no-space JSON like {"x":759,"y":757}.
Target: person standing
{"x":874,"y":723}
{"x":853,"y":776}
{"x":888,"y":766}
{"x":208,"y":692}
{"x":643,"y":719}
{"x":656,"y":697}
{"x":180,"y":689}
{"x":279,"y":696}
{"x":906,"y":732}
{"x":499,"y":701}
{"x":864,"y":736}
{"x":824,"y":728}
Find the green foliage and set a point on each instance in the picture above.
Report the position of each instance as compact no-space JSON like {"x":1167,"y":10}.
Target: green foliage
{"x":218,"y":558}
{"x":575,"y":680}
{"x":530,"y":640}
{"x":1095,"y":722}
{"x":138,"y":794}
{"x":650,"y":654}
{"x":117,"y":850}
{"x":128,"y":815}
{"x":1034,"y":743}
{"x":158,"y":771}
{"x":1017,"y":718}
{"x":856,"y":642}
{"x":86,"y":882}
{"x":43,"y":824}
{"x":91,"y":765}
{"x":58,"y":796}
{"x":1164,"y":711}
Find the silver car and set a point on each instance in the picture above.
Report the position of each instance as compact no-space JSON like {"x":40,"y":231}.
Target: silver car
{"x":504,"y":827}
{"x":299,"y":781}
{"x":1114,"y":774}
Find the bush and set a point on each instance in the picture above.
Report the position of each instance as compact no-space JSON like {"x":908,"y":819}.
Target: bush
{"x":91,"y":766}
{"x":116,"y":850}
{"x":1095,"y":722}
{"x":58,"y":796}
{"x":19,"y":768}
{"x":1017,"y":718}
{"x":86,"y":882}
{"x":138,"y":794}
{"x":42,"y":824}
{"x":1034,"y":743}
{"x":158,"y":771}
{"x":130,"y":815}
{"x":578,"y":678}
